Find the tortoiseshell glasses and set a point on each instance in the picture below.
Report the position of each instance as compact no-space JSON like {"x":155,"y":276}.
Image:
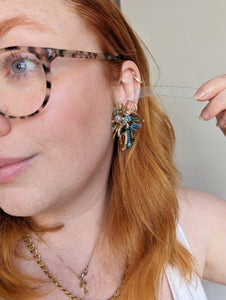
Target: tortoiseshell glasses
{"x":25,"y":77}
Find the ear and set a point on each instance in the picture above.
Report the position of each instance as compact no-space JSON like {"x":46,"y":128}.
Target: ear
{"x":129,"y":83}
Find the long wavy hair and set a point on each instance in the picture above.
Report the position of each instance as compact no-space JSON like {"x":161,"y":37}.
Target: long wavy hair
{"x":142,"y":182}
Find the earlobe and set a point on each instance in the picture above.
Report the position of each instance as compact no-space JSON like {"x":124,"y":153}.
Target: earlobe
{"x":129,"y":83}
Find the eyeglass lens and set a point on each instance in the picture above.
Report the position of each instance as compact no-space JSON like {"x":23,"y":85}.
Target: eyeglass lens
{"x":22,"y":83}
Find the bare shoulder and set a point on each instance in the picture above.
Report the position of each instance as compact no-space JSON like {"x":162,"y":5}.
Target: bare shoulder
{"x":200,"y":204}
{"x":202,"y":217}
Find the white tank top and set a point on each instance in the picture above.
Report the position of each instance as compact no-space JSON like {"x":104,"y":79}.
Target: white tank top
{"x":180,"y":289}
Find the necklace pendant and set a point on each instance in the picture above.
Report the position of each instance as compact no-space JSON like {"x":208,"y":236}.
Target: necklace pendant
{"x":83,"y":284}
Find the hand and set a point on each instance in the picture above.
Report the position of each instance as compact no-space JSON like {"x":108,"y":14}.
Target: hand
{"x":214,"y":91}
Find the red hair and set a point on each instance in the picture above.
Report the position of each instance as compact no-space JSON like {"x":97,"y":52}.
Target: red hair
{"x":143,"y":181}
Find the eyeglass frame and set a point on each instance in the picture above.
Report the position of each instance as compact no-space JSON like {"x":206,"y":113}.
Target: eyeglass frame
{"x":46,"y":56}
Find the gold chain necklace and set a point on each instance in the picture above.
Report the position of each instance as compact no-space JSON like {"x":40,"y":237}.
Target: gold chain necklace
{"x":83,"y":283}
{"x":33,"y":250}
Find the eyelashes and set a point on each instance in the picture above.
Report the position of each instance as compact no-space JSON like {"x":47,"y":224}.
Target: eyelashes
{"x":15,"y":66}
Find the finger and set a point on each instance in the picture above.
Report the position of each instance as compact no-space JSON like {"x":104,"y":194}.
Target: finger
{"x":215,"y":106}
{"x":211,"y":88}
{"x":224,"y":131}
{"x":221,"y":119}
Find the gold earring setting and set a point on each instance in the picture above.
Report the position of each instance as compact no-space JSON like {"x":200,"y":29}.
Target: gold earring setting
{"x":125,"y":122}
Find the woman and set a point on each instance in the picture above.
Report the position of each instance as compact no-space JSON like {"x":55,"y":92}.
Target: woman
{"x":100,"y":221}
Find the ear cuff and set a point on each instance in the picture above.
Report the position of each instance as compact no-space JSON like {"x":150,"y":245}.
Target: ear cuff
{"x":138,"y":79}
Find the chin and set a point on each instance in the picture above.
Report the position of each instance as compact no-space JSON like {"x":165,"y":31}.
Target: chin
{"x":14,"y":212}
{"x":20,"y":206}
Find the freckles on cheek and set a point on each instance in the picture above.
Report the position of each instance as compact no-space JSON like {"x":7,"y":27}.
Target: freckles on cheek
{"x":82,"y":108}
{"x":68,"y":128}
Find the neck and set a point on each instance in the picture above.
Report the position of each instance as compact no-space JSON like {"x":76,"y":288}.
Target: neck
{"x":81,"y":227}
{"x":75,"y":242}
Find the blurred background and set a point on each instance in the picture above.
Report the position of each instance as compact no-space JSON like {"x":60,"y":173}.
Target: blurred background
{"x":188,"y":41}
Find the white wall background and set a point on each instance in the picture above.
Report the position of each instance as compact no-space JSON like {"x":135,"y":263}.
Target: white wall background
{"x":188,"y":41}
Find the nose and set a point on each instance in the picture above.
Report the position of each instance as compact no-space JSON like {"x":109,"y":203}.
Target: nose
{"x":5,"y":126}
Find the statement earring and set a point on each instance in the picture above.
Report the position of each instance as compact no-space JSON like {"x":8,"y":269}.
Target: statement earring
{"x":124,"y":122}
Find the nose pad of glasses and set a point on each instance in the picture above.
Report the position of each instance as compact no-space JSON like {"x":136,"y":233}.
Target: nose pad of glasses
{"x":5,"y":125}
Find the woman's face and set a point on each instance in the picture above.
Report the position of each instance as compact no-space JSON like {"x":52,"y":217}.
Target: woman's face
{"x":68,"y":146}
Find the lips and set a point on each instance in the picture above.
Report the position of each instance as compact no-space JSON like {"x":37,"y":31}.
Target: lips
{"x":11,"y":168}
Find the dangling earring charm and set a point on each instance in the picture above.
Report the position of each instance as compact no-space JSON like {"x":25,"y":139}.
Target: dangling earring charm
{"x":124,"y":122}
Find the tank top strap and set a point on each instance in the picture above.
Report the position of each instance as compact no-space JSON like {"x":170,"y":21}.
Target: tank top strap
{"x":179,"y":287}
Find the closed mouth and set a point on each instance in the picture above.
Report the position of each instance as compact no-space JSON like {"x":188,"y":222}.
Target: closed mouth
{"x":10,"y":168}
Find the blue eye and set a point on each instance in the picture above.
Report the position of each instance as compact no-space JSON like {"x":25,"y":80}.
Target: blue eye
{"x":21,"y":66}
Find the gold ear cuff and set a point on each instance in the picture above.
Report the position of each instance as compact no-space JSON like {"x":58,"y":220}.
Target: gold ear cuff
{"x":138,"y":79}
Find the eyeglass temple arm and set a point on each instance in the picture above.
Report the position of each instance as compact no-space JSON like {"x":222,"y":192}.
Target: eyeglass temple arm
{"x":87,"y":55}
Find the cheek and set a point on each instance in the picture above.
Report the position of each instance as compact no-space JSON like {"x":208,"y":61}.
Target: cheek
{"x":77,"y":118}
{"x":86,"y":106}
{"x":73,"y":139}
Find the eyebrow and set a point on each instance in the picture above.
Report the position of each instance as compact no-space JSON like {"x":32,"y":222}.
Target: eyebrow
{"x":7,"y":25}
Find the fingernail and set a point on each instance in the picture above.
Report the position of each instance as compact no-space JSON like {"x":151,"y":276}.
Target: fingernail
{"x":204,"y":116}
{"x":199,"y":94}
{"x":201,"y":118}
{"x":220,"y":123}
